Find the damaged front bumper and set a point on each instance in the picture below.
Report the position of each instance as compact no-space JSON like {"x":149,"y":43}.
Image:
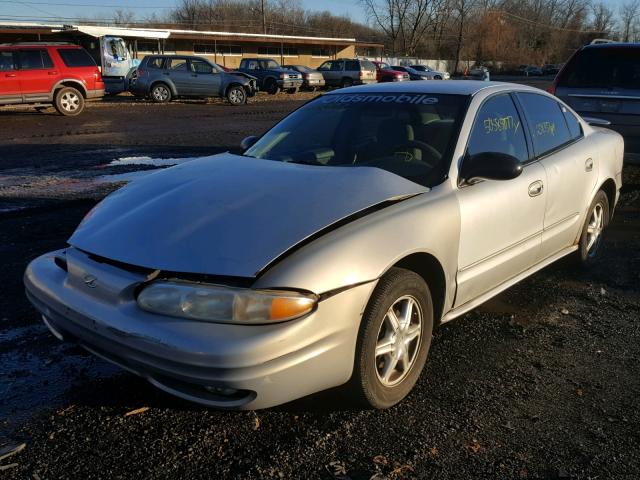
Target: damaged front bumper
{"x":92,"y":303}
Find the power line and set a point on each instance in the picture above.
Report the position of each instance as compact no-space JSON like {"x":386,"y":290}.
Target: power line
{"x":90,"y":5}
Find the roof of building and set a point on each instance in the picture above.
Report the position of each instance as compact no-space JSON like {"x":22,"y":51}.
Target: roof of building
{"x":98,"y":31}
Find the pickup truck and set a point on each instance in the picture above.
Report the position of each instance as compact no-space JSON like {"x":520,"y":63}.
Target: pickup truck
{"x":271,"y":76}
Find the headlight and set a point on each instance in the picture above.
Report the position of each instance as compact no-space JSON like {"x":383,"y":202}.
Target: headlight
{"x":215,"y":303}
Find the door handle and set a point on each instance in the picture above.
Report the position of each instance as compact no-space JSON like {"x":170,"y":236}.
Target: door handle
{"x":11,"y":75}
{"x":53,"y":73}
{"x":588,"y":165}
{"x":536,"y":188}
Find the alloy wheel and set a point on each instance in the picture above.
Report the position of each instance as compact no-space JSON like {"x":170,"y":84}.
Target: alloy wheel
{"x":70,"y":101}
{"x":161,"y":93}
{"x":595,"y":228}
{"x":398,"y":341}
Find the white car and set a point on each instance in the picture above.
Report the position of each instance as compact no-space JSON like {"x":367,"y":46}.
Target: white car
{"x":430,"y":73}
{"x":326,"y":254}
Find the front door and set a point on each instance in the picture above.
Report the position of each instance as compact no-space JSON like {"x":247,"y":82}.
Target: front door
{"x":501,"y":221}
{"x":206,"y":80}
{"x":9,"y":82}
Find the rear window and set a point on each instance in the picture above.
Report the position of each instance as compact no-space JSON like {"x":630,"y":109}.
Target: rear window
{"x":76,"y":57}
{"x":34,"y":59}
{"x":366,"y":65}
{"x":352,"y":65}
{"x":546,"y":122}
{"x":155,"y":62}
{"x":603,"y":68}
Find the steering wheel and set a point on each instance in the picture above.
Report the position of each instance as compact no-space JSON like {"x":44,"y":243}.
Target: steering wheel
{"x":424,"y":147}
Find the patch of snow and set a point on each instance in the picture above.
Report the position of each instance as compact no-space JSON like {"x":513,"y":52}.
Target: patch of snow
{"x":157,"y":162}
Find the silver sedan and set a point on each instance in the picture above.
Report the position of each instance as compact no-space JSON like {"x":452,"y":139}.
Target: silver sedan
{"x":327,"y":253}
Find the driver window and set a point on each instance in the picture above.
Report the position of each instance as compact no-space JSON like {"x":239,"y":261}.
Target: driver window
{"x":336,"y":66}
{"x":177,"y":64}
{"x":198,"y":66}
{"x":498,"y":128}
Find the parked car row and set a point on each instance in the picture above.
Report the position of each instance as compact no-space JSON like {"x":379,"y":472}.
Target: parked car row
{"x":65,"y":75}
{"x":535,"y":71}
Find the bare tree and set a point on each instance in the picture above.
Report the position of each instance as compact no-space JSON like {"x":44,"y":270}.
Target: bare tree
{"x":602,"y":22}
{"x":629,"y":13}
{"x":123,"y":17}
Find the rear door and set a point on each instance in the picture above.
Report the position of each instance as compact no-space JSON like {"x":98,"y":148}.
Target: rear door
{"x":36,"y":73}
{"x":604,"y":82}
{"x":177,"y":70}
{"x":10,"y":91}
{"x":571,"y":165}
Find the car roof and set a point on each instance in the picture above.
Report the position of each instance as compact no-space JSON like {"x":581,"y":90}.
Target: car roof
{"x":38,"y":45}
{"x":452,"y":87}
{"x":612,"y":45}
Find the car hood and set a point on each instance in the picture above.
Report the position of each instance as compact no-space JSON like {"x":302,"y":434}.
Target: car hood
{"x":227,"y":214}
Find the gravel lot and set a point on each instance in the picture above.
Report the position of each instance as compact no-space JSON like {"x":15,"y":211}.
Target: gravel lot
{"x":541,"y":382}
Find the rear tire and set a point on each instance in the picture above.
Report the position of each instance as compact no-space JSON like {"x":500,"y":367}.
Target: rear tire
{"x":236,"y":95}
{"x":346,"y":82}
{"x":69,"y":102}
{"x":392,"y":348}
{"x":590,"y":245}
{"x":160,"y":93}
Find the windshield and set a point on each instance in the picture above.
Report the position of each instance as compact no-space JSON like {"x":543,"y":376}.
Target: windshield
{"x":117,"y":48}
{"x":604,"y":68}
{"x":411,"y":135}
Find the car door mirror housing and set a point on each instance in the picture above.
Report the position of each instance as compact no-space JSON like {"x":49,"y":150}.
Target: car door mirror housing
{"x":248,"y":142}
{"x":490,"y":166}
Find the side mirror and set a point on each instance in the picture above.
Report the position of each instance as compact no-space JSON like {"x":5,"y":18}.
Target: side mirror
{"x":248,"y":142}
{"x":597,"y":122}
{"x":490,"y":166}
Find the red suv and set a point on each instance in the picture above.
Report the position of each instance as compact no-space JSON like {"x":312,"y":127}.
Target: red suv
{"x":384,"y":73}
{"x":60,"y":74}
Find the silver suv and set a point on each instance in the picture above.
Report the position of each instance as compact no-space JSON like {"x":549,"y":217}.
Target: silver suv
{"x":346,"y":72}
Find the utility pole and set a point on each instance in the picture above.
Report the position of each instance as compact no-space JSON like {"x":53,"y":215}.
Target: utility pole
{"x":264,"y":19}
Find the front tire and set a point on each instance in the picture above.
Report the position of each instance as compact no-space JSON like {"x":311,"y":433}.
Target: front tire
{"x":272,"y":87}
{"x":69,"y":102}
{"x":236,"y":95}
{"x":393,"y":340}
{"x":160,"y":93}
{"x":590,"y":245}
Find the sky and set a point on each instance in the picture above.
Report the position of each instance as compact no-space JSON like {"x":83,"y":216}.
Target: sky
{"x":24,"y":10}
